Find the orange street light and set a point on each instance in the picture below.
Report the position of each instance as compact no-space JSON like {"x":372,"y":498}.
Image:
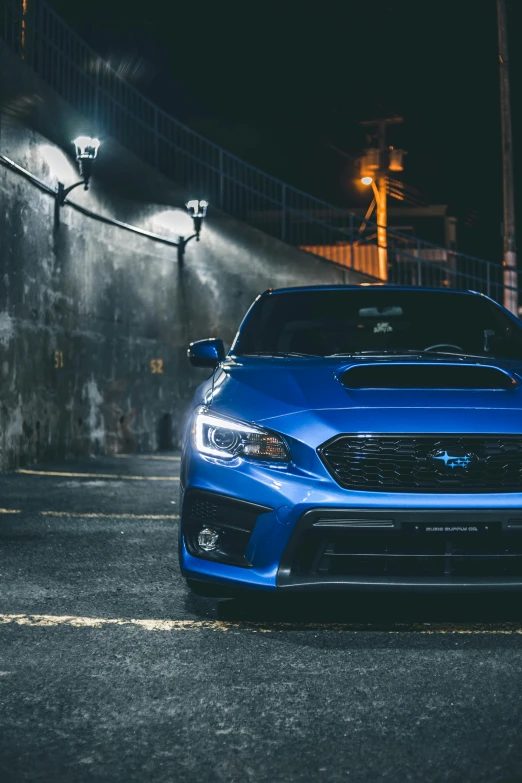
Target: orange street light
{"x":370,"y":181}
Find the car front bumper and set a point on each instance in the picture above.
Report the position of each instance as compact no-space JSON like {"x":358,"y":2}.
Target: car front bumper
{"x":353,"y":540}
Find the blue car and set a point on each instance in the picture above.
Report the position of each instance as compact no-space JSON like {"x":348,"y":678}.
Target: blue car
{"x":357,"y":437}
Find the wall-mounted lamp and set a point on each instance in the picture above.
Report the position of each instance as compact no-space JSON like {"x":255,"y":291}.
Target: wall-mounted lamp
{"x":197,"y":210}
{"x":86,"y":152}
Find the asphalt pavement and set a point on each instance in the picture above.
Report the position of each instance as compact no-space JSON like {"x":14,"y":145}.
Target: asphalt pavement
{"x":110,"y":670}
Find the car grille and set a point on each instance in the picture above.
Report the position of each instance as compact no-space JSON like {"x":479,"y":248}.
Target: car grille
{"x":325,"y":555}
{"x":442,"y":463}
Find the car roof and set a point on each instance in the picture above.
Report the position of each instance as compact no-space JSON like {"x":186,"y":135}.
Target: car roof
{"x":297,"y":289}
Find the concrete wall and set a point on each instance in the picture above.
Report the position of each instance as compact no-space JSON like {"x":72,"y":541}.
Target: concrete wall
{"x":88,"y":309}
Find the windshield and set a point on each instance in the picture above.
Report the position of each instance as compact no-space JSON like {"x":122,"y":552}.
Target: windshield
{"x":378,"y":320}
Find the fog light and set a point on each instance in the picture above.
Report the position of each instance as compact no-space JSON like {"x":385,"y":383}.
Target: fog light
{"x":208,"y":539}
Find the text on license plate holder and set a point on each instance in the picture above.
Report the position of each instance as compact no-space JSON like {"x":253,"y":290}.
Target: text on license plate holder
{"x":454,"y":529}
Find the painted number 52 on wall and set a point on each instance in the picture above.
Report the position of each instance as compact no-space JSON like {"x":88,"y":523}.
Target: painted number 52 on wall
{"x":156,"y":366}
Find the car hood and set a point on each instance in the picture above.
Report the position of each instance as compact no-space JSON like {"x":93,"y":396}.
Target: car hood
{"x":285,"y":393}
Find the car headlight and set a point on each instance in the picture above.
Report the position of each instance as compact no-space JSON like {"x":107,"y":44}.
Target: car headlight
{"x":219,"y":436}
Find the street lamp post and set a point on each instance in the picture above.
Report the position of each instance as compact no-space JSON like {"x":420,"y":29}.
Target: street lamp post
{"x":382,"y":159}
{"x":380,"y":193}
{"x":509,"y":241}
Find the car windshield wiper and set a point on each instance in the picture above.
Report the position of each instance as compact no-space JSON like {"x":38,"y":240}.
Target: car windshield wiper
{"x":412,"y":352}
{"x":460,"y":354}
{"x":384,"y":352}
{"x":284,"y":354}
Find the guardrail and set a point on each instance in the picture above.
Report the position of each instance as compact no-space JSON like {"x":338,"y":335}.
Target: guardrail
{"x":75,"y":71}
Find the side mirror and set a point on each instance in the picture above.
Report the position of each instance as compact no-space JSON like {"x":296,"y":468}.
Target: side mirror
{"x":206,"y":353}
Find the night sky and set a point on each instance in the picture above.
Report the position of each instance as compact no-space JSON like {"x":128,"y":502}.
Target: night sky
{"x":281,"y":83}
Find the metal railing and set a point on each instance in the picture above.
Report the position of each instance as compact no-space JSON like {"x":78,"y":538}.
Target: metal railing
{"x":113,"y":107}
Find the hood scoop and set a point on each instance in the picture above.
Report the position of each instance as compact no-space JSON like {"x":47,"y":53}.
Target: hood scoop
{"x":434,"y":375}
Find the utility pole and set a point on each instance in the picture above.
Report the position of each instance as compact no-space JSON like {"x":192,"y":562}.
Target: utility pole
{"x":381,"y":175}
{"x":508,"y":191}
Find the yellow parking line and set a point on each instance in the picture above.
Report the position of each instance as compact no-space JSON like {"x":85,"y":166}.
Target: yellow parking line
{"x":51,"y":621}
{"x":95,"y":515}
{"x":489,"y":628}
{"x":88,"y":514}
{"x":95,"y":475}
{"x":147,"y":456}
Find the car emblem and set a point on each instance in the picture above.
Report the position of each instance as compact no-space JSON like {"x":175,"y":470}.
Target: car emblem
{"x":453,"y":460}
